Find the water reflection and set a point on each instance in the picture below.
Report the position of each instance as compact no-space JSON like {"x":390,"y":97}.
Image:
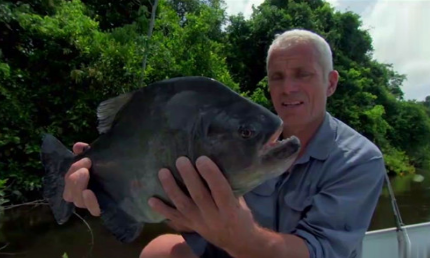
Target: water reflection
{"x":31,"y":232}
{"x":412,"y":194}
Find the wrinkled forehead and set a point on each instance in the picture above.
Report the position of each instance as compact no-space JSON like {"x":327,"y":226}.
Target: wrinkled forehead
{"x":300,"y":51}
{"x":293,"y":57}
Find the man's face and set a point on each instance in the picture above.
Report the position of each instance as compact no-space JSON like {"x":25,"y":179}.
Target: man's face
{"x":297,"y":84}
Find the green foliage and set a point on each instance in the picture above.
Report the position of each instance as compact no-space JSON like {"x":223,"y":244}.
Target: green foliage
{"x":181,"y":50}
{"x":260,"y":95}
{"x":56,"y":70}
{"x":59,"y":59}
{"x":397,"y":161}
{"x":3,"y":199}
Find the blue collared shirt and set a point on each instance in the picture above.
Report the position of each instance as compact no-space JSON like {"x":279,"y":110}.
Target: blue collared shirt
{"x":328,"y":196}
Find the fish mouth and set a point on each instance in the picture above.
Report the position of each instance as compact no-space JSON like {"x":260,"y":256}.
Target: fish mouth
{"x":291,"y":143}
{"x":273,"y":159}
{"x":273,"y":140}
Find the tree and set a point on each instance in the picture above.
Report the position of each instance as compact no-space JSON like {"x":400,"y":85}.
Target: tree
{"x":59,"y":59}
{"x":56,"y":68}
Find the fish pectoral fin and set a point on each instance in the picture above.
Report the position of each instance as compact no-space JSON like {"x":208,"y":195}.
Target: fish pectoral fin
{"x":108,"y":109}
{"x":122,"y":226}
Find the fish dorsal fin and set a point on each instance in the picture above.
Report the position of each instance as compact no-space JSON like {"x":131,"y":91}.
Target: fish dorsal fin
{"x":108,"y":109}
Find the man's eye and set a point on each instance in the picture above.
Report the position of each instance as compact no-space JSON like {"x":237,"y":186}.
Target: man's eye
{"x":276,"y":77}
{"x":302,"y":75}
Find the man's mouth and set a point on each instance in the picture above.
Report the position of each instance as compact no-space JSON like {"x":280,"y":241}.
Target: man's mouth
{"x":292,"y":103}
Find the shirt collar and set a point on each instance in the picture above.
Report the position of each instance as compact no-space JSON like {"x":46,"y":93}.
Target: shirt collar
{"x":318,"y":148}
{"x":320,"y":144}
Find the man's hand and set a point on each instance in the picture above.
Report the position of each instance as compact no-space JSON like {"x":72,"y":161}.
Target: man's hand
{"x":215,"y":213}
{"x":76,"y":182}
{"x":179,"y":227}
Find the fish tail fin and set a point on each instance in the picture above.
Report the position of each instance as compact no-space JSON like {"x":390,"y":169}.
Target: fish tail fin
{"x":121,"y":225}
{"x":56,"y":160}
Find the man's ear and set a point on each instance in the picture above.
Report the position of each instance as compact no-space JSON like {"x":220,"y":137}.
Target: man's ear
{"x":333,"y":79}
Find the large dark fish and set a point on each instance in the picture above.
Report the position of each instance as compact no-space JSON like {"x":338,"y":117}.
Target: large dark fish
{"x":148,"y":129}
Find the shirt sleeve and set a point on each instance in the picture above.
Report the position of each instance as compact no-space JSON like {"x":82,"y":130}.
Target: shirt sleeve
{"x":197,"y":243}
{"x":341,"y":212}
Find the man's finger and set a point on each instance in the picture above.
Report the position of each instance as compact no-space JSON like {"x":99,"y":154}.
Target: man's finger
{"x":218,"y":184}
{"x":168,"y":212}
{"x":182,"y":203}
{"x":82,"y":163}
{"x":91,"y":202}
{"x":198,"y":191}
{"x":78,"y":182}
{"x":178,"y":227}
{"x":68,"y":187}
{"x":80,"y":147}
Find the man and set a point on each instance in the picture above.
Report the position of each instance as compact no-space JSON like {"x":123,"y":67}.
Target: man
{"x":320,"y":208}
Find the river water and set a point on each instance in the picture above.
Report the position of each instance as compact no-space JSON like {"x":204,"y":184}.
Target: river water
{"x":31,"y":231}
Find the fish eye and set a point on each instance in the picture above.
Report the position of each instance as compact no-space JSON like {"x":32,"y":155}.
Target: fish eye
{"x":246,"y":132}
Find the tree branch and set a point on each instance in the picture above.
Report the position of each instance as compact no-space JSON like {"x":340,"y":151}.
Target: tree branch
{"x":36,"y":202}
{"x":150,"y":29}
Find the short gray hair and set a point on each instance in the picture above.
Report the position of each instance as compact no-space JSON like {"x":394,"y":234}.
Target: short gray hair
{"x":295,"y":36}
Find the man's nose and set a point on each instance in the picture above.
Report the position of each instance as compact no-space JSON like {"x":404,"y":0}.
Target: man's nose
{"x":290,"y":85}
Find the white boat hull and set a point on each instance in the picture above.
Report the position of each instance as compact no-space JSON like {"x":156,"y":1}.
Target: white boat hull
{"x":384,"y":243}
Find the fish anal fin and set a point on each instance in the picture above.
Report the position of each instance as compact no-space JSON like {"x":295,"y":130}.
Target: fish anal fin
{"x":120,"y":224}
{"x":108,"y":109}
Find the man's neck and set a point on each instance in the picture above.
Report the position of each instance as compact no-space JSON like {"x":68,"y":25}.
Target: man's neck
{"x":303,"y":132}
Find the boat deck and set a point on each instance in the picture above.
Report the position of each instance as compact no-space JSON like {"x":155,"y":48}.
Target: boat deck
{"x":384,"y":243}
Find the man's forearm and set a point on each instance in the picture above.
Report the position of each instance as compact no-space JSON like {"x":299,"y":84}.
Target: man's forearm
{"x":266,"y":243}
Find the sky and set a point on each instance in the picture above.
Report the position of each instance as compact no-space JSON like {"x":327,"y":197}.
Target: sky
{"x":400,"y":30}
